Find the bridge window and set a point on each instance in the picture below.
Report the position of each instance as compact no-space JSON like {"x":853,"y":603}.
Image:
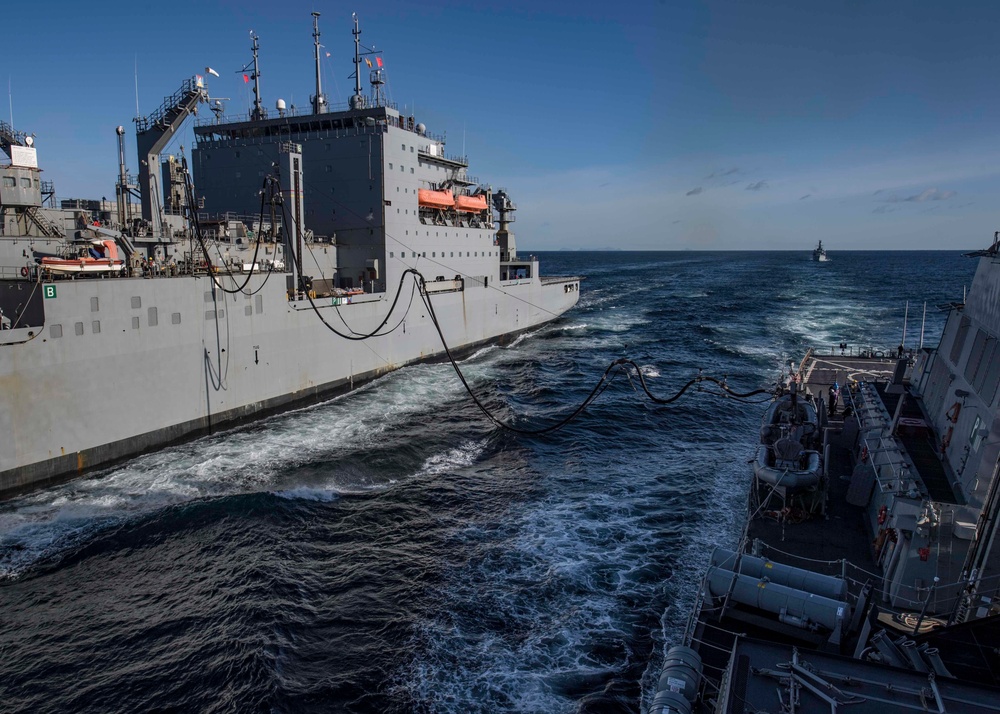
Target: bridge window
{"x":9,"y":182}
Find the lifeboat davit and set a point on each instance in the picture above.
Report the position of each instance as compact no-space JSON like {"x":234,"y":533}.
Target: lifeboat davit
{"x":471,"y":204}
{"x":435,"y":199}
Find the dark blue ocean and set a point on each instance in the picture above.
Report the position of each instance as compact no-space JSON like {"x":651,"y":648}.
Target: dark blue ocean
{"x":391,"y":551}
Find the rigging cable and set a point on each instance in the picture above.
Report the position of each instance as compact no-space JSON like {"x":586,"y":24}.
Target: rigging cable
{"x":618,"y":365}
{"x":356,"y":336}
{"x":449,"y":268}
{"x":189,"y":189}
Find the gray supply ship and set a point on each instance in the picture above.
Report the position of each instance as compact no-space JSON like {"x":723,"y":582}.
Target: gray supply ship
{"x":310,"y":252}
{"x":867,"y":578}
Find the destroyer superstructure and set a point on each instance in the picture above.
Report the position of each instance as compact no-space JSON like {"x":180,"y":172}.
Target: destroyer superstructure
{"x":222,"y":312}
{"x":882,"y":575}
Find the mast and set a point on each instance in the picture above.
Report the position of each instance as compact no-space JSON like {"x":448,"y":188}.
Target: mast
{"x":122,"y":189}
{"x":906,"y":315}
{"x":258,"y":112}
{"x":922,"y":322}
{"x":319,"y":100}
{"x":357,"y":100}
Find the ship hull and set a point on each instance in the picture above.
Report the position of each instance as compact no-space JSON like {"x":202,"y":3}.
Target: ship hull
{"x":198,"y":360}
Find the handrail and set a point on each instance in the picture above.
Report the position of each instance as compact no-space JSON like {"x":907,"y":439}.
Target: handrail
{"x":170,"y":103}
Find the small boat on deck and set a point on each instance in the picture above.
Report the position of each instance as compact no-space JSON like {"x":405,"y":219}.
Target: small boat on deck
{"x":785,"y":460}
{"x":101,"y":257}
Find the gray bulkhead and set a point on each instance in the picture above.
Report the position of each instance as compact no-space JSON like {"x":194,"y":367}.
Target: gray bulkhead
{"x":362,"y":171}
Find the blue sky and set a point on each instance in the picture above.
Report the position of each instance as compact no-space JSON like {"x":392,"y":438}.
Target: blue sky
{"x":652,"y":125}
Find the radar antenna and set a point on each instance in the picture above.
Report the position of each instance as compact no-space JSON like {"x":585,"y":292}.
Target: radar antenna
{"x":10,"y":137}
{"x":378,"y":86}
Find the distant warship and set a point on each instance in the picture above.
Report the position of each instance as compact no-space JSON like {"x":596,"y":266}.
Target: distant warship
{"x":308,"y":253}
{"x":819,"y":253}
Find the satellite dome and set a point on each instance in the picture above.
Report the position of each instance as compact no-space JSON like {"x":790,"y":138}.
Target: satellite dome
{"x":421,"y":129}
{"x":280,"y":105}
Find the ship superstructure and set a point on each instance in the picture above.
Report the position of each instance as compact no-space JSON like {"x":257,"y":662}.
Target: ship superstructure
{"x":265,"y":278}
{"x":883,"y":574}
{"x":378,"y":187}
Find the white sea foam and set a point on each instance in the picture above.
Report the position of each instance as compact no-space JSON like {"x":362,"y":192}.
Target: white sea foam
{"x":43,"y":524}
{"x":527,"y":613}
{"x":452,"y":459}
{"x":305,"y":493}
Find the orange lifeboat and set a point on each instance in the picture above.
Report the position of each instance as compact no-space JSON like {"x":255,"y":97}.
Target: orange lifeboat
{"x":435,"y":199}
{"x":471,"y":204}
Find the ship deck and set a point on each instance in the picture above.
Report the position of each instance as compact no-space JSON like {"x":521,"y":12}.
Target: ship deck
{"x":831,"y":537}
{"x":825,"y":536}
